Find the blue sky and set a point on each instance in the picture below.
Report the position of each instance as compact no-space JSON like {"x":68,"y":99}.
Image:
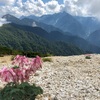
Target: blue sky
{"x":60,"y":1}
{"x":42,"y":7}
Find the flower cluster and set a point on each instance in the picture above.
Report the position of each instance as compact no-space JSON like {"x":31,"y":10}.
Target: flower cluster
{"x":23,"y":68}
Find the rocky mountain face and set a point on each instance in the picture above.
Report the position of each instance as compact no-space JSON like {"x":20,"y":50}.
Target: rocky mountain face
{"x":12,"y":19}
{"x":89,"y":24}
{"x":30,"y":22}
{"x":61,"y":27}
{"x":64,"y":22}
{"x":94,"y":38}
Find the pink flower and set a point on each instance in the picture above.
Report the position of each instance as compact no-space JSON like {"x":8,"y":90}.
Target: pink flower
{"x":27,"y":72}
{"x":21,"y":73}
{"x":20,"y":61}
{"x":7,"y":75}
{"x":36,"y":62}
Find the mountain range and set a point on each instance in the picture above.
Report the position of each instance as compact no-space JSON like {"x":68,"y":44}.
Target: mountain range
{"x":66,"y":22}
{"x":94,"y":38}
{"x":19,"y":37}
{"x":61,"y":29}
{"x":62,"y":21}
{"x":89,"y":24}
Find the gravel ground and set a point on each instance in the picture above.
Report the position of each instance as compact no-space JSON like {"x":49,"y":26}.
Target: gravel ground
{"x":69,"y":78}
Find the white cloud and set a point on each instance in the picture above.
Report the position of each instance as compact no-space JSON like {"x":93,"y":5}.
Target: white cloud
{"x":7,"y":2}
{"x":76,"y":7}
{"x":33,"y":7}
{"x":2,"y":21}
{"x":19,"y":3}
{"x":52,"y":6}
{"x":82,"y":7}
{"x":38,"y":7}
{"x":95,"y":8}
{"x":11,"y":10}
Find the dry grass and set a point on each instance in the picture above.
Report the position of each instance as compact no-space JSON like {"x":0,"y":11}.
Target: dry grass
{"x":47,"y":59}
{"x":5,"y":60}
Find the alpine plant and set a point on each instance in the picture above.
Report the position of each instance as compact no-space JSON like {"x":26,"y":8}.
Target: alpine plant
{"x":22,"y":70}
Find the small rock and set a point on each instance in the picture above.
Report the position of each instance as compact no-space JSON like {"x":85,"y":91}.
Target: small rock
{"x":55,"y":98}
{"x":36,"y":74}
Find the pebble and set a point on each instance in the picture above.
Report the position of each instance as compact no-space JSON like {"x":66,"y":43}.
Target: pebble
{"x":73,"y":78}
{"x":69,"y":78}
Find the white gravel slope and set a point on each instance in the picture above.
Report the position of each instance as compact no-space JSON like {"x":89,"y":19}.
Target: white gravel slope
{"x":70,"y":78}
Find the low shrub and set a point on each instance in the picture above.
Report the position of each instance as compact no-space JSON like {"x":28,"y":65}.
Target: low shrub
{"x":47,"y":59}
{"x":1,"y":55}
{"x":88,"y":57}
{"x":12,"y":58}
{"x":23,"y":91}
{"x":48,"y":55}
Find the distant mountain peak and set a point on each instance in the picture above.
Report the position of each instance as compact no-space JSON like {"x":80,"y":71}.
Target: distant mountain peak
{"x":8,"y":16}
{"x":11,"y":18}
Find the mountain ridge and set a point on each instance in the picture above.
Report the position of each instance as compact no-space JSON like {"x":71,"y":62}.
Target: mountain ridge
{"x":64,"y":22}
{"x":56,"y":35}
{"x":19,"y":39}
